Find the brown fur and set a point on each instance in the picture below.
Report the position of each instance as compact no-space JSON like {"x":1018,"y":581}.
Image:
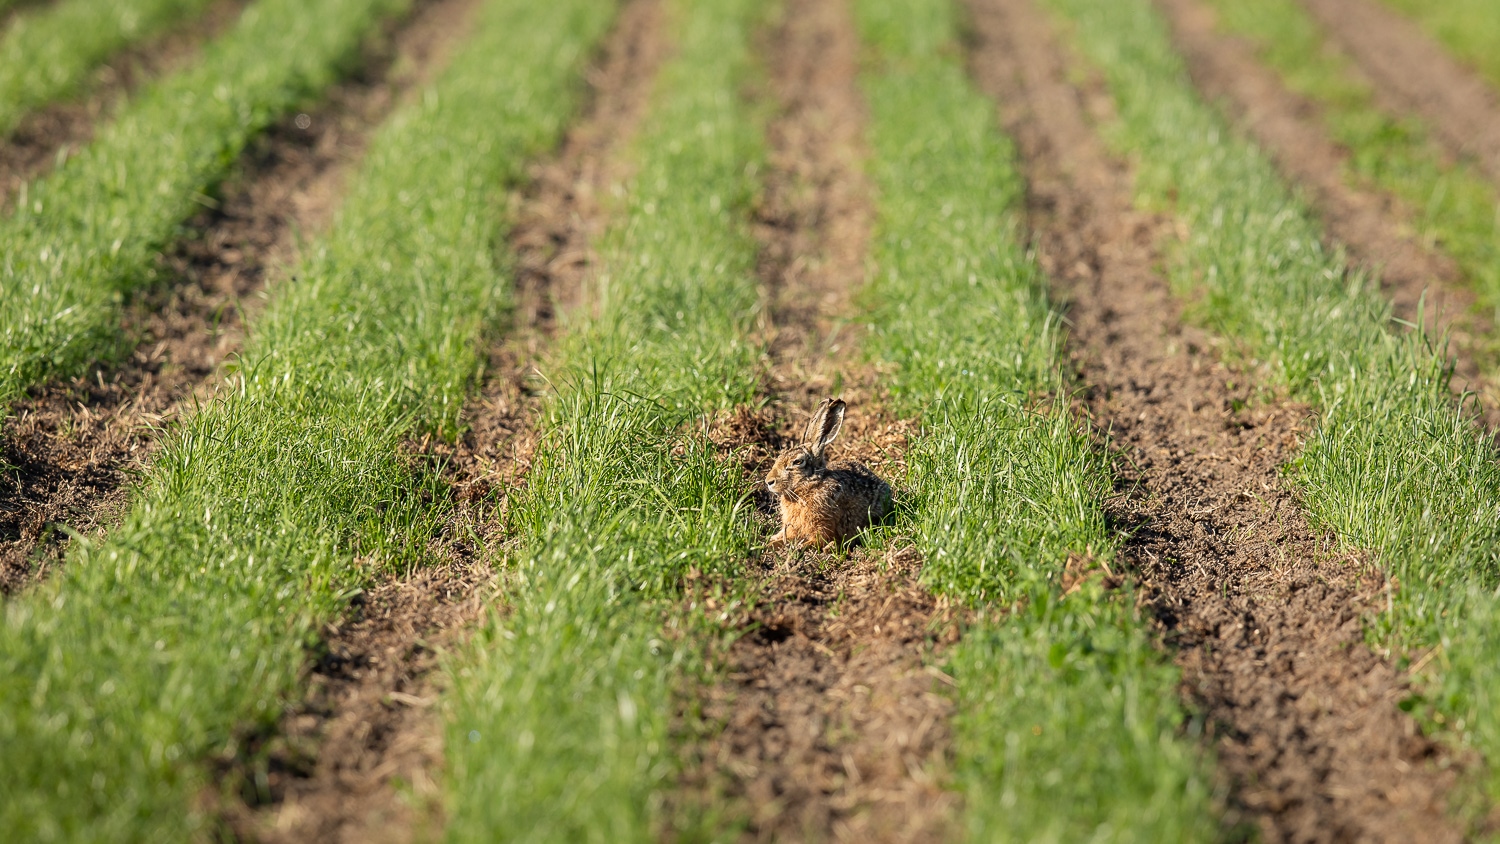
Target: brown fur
{"x":822,"y":503}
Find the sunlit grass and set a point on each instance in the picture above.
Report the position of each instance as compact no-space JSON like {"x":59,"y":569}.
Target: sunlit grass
{"x":87,"y":236}
{"x":275,"y":503}
{"x":1392,"y":466}
{"x":559,"y":713}
{"x":1068,"y":724}
{"x":48,"y":54}
{"x":1456,"y":208}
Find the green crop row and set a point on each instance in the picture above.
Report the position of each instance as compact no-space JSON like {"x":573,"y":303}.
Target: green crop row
{"x":1069,"y":725}
{"x":1393,"y":466}
{"x":85,"y":237}
{"x":48,"y":55}
{"x":272,"y":505}
{"x":1456,"y":207}
{"x":559,"y":712}
{"x":1469,"y":28}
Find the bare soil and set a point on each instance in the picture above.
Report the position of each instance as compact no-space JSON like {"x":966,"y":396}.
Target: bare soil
{"x":54,"y":132}
{"x":329,"y":770}
{"x":1374,"y":227}
{"x":358,"y":759}
{"x":1264,"y":615}
{"x":832,"y":721}
{"x":565,"y":207}
{"x":1414,"y":73}
{"x":832,"y":724}
{"x":70,"y":449}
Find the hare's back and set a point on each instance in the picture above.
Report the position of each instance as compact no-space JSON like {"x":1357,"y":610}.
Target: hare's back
{"x":863,"y":492}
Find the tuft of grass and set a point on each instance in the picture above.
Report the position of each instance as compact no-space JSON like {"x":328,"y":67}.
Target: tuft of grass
{"x":272,"y":505}
{"x":1394,"y":465}
{"x":558,"y":714}
{"x":48,"y":54}
{"x":87,"y":236}
{"x":1070,"y":728}
{"x":961,"y":310}
{"x":1069,"y":725}
{"x":1456,"y":207}
{"x":1468,"y":28}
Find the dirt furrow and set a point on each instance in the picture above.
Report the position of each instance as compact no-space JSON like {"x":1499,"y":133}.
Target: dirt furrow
{"x":1264,"y":614}
{"x":69,"y":450}
{"x":1374,"y":227}
{"x":357,"y":760}
{"x":832,"y":725}
{"x":56,"y":131}
{"x":1414,"y":73}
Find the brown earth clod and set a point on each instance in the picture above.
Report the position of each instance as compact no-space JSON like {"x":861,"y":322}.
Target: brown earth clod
{"x":70,"y":449}
{"x":1375,"y":228}
{"x":1266,"y":616}
{"x":826,"y":723}
{"x":358,"y":759}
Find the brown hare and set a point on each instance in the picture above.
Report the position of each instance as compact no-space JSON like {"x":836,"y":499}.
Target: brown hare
{"x":822,"y":503}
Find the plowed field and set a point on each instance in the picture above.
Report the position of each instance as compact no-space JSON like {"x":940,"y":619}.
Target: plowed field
{"x":394,"y":468}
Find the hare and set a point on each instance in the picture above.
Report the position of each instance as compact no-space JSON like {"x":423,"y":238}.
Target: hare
{"x":820,"y":503}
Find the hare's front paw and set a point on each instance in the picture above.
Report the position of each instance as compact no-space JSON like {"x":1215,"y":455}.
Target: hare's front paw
{"x":783,"y":542}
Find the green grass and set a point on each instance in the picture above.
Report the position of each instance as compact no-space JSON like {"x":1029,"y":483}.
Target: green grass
{"x":1470,"y":29}
{"x":1456,"y":208}
{"x":47,"y":55}
{"x":271,"y":506}
{"x":1392,"y":466}
{"x":87,"y":236}
{"x":558,"y":716}
{"x":1069,"y":725}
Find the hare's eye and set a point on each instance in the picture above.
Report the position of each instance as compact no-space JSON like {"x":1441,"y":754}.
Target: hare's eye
{"x":798,"y":461}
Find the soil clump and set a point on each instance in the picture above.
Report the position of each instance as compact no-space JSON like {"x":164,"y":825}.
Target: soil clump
{"x":71,"y":448}
{"x":357,"y":759}
{"x":1265,"y":616}
{"x":1414,"y":73}
{"x":55,"y":131}
{"x":828,"y":722}
{"x":1375,"y":228}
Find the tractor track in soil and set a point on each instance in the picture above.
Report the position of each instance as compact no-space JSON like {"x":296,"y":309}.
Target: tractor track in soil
{"x":1413,"y":73}
{"x":72,"y":448}
{"x":58,"y":130}
{"x":1264,"y":616}
{"x":330,"y":769}
{"x":827,"y":722}
{"x":1374,"y":227}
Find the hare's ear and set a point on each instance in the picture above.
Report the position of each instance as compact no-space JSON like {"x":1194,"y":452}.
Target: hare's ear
{"x":815,"y":424}
{"x":825,"y":425}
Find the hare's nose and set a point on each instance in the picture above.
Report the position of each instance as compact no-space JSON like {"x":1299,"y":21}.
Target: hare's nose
{"x":771,"y":485}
